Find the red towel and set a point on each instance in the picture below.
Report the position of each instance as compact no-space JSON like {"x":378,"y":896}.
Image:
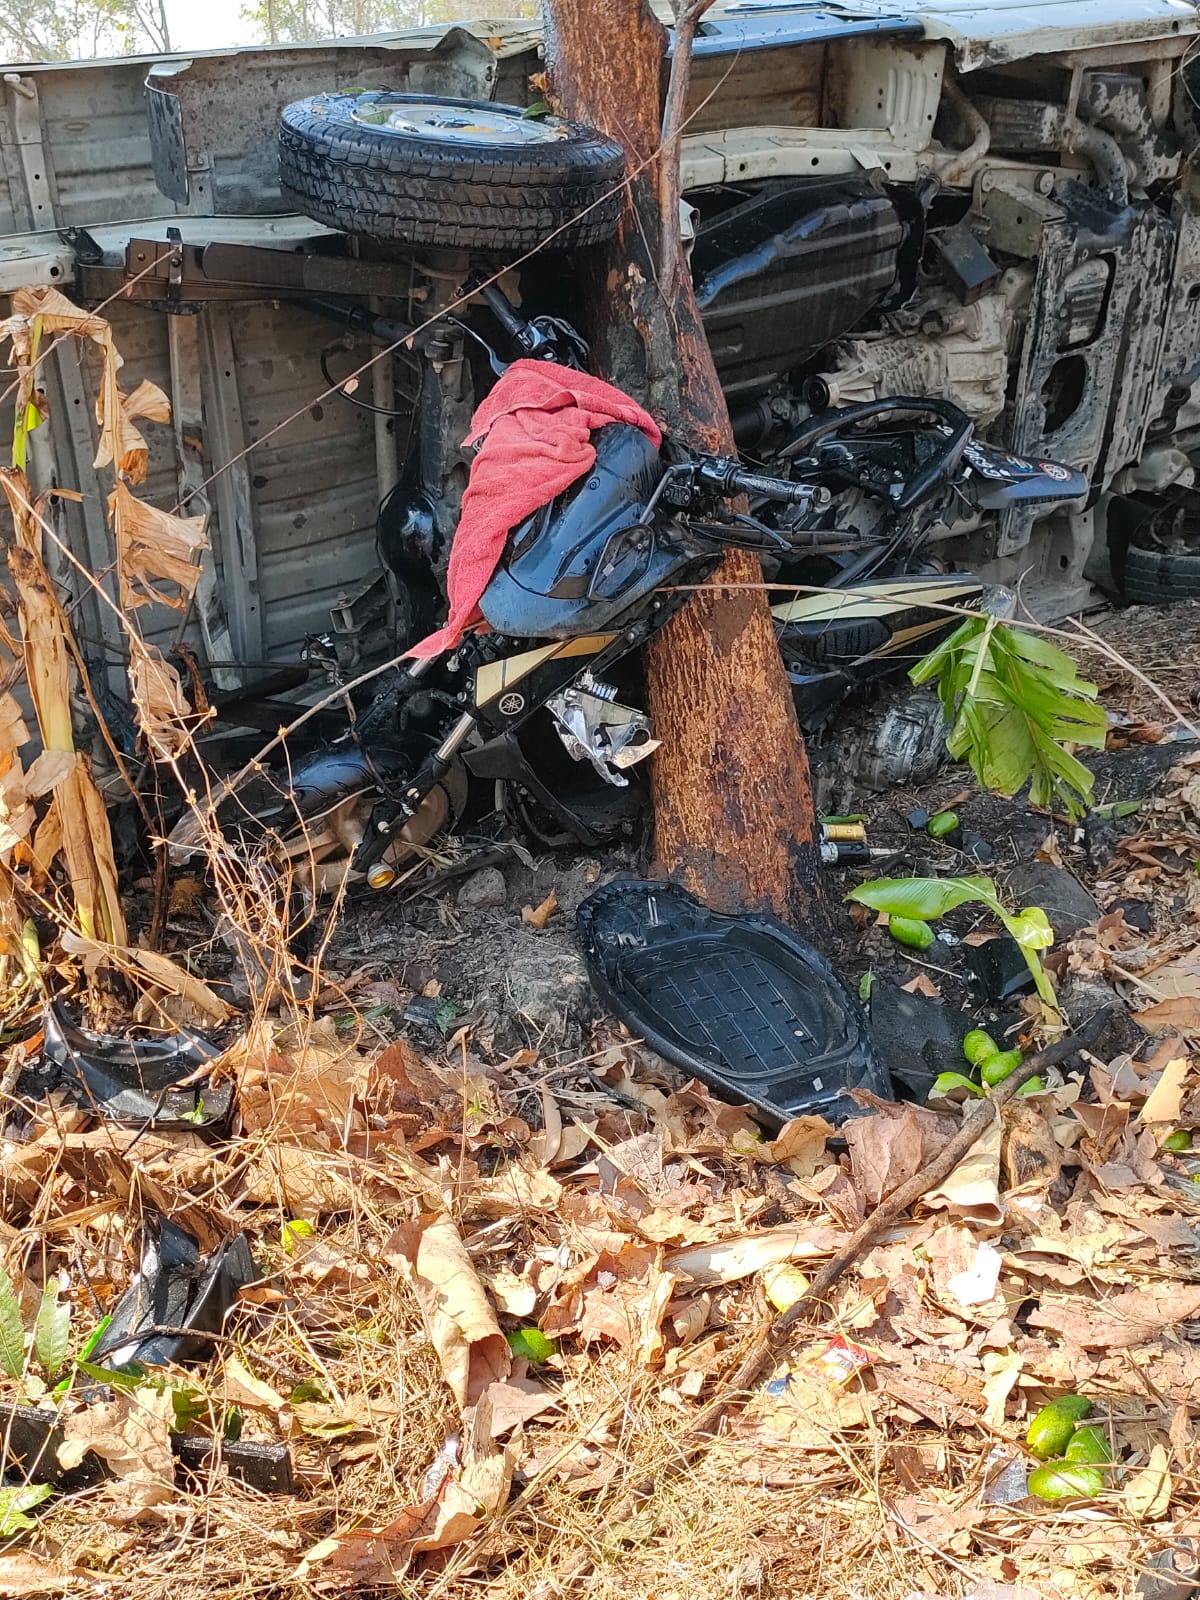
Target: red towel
{"x":536,"y":428}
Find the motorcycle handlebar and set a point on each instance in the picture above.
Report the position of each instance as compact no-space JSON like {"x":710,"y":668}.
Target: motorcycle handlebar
{"x":729,"y":478}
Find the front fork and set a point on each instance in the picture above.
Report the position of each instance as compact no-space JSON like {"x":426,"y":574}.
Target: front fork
{"x":390,"y":815}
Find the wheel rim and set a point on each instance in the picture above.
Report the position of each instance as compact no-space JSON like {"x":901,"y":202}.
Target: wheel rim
{"x":457,"y":124}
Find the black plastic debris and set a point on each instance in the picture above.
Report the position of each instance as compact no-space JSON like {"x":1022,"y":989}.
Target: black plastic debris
{"x":741,"y":1002}
{"x":917,"y":1037}
{"x":175,"y":1289}
{"x":30,"y":1437}
{"x":138,"y":1081}
{"x":1068,"y":906}
{"x":998,"y":968}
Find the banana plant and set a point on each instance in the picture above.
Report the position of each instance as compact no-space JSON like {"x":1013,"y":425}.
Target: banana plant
{"x":1014,"y":703}
{"x":929,"y":898}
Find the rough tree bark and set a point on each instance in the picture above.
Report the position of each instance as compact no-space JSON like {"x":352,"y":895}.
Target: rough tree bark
{"x":733,"y":803}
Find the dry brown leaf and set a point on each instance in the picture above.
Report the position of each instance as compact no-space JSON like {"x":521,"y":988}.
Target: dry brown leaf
{"x":131,"y":1433}
{"x":366,"y":1557}
{"x":458,"y":1316}
{"x":172,"y":977}
{"x":23,"y":1575}
{"x":972,"y":1189}
{"x":922,"y":984}
{"x":800,"y":1145}
{"x":888,"y":1148}
{"x":1032,"y":1156}
{"x":164,"y":715}
{"x":1003,"y":1368}
{"x":242,"y":1388}
{"x":522,"y":1187}
{"x":1122,"y":1320}
{"x":1147,"y":1494}
{"x":85,"y":838}
{"x":153,"y":544}
{"x":625,"y":1306}
{"x":515,"y":1294}
{"x":539,"y":916}
{"x":1178,"y":1015}
{"x":1048,"y":850}
{"x":516,"y":1401}
{"x":1164,"y":1100}
{"x":733,"y":1259}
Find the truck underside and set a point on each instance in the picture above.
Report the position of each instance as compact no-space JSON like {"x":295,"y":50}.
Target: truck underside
{"x":992,"y":206}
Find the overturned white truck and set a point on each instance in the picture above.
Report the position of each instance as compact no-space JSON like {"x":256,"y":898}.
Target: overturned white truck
{"x":992,"y":207}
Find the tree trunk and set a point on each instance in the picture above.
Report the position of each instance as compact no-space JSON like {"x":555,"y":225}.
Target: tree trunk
{"x":733,"y":805}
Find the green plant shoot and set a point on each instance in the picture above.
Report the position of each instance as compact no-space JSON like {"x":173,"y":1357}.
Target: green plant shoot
{"x":1014,"y":703}
{"x":927,"y":898}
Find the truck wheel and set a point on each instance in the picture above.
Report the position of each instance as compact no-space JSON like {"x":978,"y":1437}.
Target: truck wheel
{"x":1154,"y":574}
{"x":462,"y":174}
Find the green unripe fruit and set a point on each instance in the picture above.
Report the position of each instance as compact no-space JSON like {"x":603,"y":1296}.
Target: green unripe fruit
{"x":1066,"y":1483}
{"x":911,"y":931}
{"x":996,"y":1068}
{"x":1050,"y":1432}
{"x":978,"y":1046}
{"x":1089,"y":1445}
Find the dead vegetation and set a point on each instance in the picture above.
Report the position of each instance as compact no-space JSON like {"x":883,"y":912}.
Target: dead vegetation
{"x":493,"y":1300}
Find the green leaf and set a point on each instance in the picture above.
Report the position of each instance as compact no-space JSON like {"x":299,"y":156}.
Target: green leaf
{"x":14,"y":1503}
{"x":94,"y":1338}
{"x":927,"y":898}
{"x":188,"y":1405}
{"x":924,"y":898}
{"x":1117,"y":810}
{"x":531,"y":1343}
{"x":308,"y":1389}
{"x":953,"y":1087}
{"x":12,"y":1334}
{"x":1013,"y":702}
{"x":535,"y":112}
{"x":52,"y":1331}
{"x":445,"y":1014}
{"x":117,"y":1378}
{"x":1031,"y":928}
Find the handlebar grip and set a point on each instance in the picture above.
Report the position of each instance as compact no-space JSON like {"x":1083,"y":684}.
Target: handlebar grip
{"x":773,"y":488}
{"x":732,"y":479}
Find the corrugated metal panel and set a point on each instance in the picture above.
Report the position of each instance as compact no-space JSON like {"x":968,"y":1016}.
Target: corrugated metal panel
{"x":95,"y":126}
{"x":313,"y":484}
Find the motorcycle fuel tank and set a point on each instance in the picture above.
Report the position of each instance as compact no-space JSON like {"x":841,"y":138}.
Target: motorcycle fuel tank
{"x":587,"y":558}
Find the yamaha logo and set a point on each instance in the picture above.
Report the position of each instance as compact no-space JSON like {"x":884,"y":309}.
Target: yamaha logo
{"x":512,"y":704}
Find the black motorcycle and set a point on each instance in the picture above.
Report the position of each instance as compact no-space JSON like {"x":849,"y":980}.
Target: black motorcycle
{"x":541,"y":713}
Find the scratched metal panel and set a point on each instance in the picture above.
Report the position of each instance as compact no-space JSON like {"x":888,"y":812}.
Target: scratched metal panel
{"x":95,"y":131}
{"x":778,"y":87}
{"x":313,"y":484}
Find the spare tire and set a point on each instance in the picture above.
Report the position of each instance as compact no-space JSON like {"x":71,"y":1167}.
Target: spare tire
{"x":463,"y":174}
